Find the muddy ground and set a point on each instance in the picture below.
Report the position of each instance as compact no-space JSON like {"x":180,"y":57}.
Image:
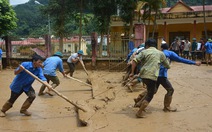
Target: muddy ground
{"x":112,"y":109}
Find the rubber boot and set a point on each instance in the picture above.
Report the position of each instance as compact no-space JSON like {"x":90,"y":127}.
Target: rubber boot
{"x":140,"y":99}
{"x":167,"y":102}
{"x":5,"y":108}
{"x":71,"y":74}
{"x":140,"y":113}
{"x":41,"y":90}
{"x":24,"y":108}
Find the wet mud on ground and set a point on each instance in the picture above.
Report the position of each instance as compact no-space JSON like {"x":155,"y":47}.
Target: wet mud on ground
{"x":112,"y":109}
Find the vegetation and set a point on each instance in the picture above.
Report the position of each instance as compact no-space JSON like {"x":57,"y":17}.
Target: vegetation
{"x":103,"y":10}
{"x":79,"y":17}
{"x":7,"y":18}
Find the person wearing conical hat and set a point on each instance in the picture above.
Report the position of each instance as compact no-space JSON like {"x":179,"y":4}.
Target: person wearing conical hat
{"x":50,"y":65}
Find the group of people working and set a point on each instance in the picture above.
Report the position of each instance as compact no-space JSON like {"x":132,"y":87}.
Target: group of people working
{"x":45,"y":71}
{"x":147,"y":64}
{"x":154,"y":65}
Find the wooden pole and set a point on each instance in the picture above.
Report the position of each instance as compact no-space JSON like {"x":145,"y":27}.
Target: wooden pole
{"x":85,"y":69}
{"x":78,"y":81}
{"x":50,"y":87}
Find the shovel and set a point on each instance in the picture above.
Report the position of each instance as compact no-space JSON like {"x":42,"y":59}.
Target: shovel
{"x":50,"y":87}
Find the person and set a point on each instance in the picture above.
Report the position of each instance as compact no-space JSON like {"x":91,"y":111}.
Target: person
{"x":136,"y":78}
{"x":23,"y":83}
{"x":182,"y":45}
{"x":50,"y":65}
{"x":128,"y":61}
{"x":175,"y":46}
{"x":129,"y":58}
{"x":186,"y":50}
{"x":131,"y":45}
{"x":150,"y":59}
{"x":163,"y":79}
{"x":0,"y":59}
{"x":73,"y":60}
{"x":208,"y":47}
{"x":193,"y":48}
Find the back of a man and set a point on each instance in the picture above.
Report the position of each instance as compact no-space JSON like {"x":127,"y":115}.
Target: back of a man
{"x":208,"y":48}
{"x":151,"y":59}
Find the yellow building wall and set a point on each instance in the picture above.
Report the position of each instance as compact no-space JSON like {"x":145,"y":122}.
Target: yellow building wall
{"x":183,"y":28}
{"x":117,"y":29}
{"x":172,"y":28}
{"x":179,"y":8}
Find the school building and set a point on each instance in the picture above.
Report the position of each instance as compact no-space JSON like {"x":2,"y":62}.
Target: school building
{"x":180,"y":20}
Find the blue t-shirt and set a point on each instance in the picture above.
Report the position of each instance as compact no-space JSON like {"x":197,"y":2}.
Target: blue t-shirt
{"x":172,"y":56}
{"x":208,"y":47}
{"x":23,"y":81}
{"x":130,"y":54}
{"x":130,"y":45}
{"x":51,"y":64}
{"x":0,"y":54}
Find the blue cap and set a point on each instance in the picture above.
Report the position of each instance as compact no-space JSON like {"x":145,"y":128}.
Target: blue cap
{"x":80,"y":52}
{"x":58,"y":54}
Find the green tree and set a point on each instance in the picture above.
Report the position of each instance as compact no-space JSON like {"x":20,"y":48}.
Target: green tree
{"x":205,"y":27}
{"x":31,"y":23}
{"x":59,"y":12}
{"x":7,"y":18}
{"x":127,"y":13}
{"x":103,"y":10}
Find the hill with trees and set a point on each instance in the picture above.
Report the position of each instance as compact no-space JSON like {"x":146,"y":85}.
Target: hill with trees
{"x":32,"y":22}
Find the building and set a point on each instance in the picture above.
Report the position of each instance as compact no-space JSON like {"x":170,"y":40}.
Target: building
{"x":180,"y":20}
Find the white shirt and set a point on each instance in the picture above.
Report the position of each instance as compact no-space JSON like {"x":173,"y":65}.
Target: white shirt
{"x":73,"y":56}
{"x":187,"y":46}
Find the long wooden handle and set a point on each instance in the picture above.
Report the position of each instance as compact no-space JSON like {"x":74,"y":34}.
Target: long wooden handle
{"x":116,"y":65}
{"x":78,"y":81}
{"x":85,"y":70}
{"x":50,"y":87}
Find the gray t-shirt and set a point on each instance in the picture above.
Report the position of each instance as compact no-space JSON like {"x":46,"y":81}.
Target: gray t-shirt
{"x":73,"y":56}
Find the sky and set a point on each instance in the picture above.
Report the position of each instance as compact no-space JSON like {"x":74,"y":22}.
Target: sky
{"x":16,"y":2}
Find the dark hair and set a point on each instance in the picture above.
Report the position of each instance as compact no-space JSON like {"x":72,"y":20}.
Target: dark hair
{"x":164,"y":46}
{"x":151,"y":43}
{"x":36,"y":57}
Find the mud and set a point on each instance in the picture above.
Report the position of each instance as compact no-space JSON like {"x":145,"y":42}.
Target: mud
{"x":111,"y":105}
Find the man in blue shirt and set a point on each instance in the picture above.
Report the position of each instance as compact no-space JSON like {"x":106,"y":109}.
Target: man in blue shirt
{"x":150,"y":60}
{"x":208,"y":47}
{"x":163,"y":80}
{"x":51,"y":64}
{"x":0,"y":59}
{"x":23,"y":83}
